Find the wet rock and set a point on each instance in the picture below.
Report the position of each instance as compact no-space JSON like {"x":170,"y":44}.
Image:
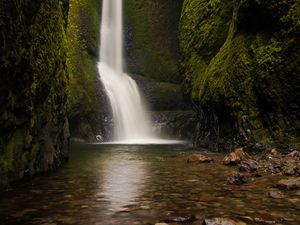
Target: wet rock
{"x":276,"y":194}
{"x":237,"y":179}
{"x":249,"y":166}
{"x":219,"y":221}
{"x":208,"y":198}
{"x":182,"y":218}
{"x":291,"y":169}
{"x":266,"y":218}
{"x":199,"y":158}
{"x":289,"y":184}
{"x":294,"y":154}
{"x":235,"y":157}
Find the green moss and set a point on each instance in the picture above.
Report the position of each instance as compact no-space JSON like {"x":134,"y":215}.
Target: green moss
{"x":237,"y":62}
{"x":151,"y":38}
{"x":83,"y":39}
{"x":34,"y":79}
{"x":167,"y":96}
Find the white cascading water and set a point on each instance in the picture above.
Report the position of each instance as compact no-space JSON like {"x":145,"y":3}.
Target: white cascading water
{"x":131,"y":121}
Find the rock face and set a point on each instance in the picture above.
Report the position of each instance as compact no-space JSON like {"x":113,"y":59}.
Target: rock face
{"x":151,"y":39}
{"x":88,"y":105}
{"x":240,"y":61}
{"x":33,"y":88}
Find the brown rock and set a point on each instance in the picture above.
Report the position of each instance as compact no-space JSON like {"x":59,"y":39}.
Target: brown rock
{"x":291,"y":170}
{"x":289,"y":184}
{"x":276,"y":194}
{"x":235,"y":157}
{"x":219,"y":221}
{"x":199,"y":158}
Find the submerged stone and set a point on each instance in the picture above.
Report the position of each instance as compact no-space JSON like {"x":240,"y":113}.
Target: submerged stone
{"x":289,"y":184}
{"x":237,"y":179}
{"x":199,"y":158}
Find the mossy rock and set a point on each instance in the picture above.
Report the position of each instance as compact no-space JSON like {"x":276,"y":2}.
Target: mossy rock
{"x":33,"y":88}
{"x":241,"y":65}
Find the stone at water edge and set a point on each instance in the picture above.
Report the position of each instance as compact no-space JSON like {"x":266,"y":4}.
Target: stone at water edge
{"x":237,"y":178}
{"x":235,"y":157}
{"x":289,"y":184}
{"x":199,"y":158}
{"x":219,"y":221}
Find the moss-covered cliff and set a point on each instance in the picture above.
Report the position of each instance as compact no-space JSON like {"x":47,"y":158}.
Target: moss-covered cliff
{"x":33,"y":87}
{"x":151,"y":38}
{"x":241,"y":64}
{"x":86,"y":96}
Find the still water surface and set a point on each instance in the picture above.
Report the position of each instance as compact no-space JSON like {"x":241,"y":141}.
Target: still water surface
{"x":135,"y":185}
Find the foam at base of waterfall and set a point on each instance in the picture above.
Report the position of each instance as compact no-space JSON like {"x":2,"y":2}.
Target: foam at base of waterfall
{"x":145,"y":142}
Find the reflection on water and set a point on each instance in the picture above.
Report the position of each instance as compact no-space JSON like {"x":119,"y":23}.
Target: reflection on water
{"x":138,"y":185}
{"x":122,"y":181}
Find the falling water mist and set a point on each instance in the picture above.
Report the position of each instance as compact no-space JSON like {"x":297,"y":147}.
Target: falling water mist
{"x":131,"y":122}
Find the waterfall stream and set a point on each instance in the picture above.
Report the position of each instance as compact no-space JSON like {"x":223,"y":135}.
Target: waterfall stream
{"x":131,"y":122}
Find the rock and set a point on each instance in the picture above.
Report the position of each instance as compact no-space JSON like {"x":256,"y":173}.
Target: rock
{"x":294,"y":154}
{"x":161,"y":224}
{"x":249,"y":166}
{"x":289,"y":184}
{"x":266,"y":218}
{"x":276,"y":194}
{"x":183,"y":218}
{"x":199,"y":158}
{"x":291,"y":170}
{"x":237,"y":179}
{"x":219,"y":221}
{"x":208,"y":198}
{"x":235,"y":157}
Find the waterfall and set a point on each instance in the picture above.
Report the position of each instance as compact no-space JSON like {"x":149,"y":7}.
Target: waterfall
{"x":131,"y":122}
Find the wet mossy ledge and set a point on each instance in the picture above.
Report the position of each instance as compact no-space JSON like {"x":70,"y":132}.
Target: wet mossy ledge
{"x":33,"y":88}
{"x":241,"y":65}
{"x":87,"y":100}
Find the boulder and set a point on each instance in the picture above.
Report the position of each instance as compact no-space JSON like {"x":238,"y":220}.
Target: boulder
{"x":199,"y":158}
